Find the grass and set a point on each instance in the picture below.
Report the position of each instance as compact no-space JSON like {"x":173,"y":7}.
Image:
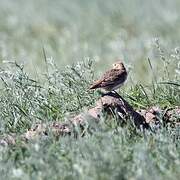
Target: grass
{"x":110,"y":152}
{"x":87,"y":36}
{"x":101,"y":30}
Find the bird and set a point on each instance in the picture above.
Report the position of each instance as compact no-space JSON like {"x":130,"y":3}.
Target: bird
{"x":112,"y":79}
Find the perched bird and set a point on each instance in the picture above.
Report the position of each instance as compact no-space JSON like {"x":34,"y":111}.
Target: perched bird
{"x":112,"y":79}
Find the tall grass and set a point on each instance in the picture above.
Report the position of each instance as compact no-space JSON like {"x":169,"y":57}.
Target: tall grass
{"x":110,"y":152}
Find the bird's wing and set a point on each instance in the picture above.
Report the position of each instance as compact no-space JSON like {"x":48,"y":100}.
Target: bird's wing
{"x":109,"y":78}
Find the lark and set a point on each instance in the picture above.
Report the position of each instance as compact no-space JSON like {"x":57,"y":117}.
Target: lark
{"x":112,"y":79}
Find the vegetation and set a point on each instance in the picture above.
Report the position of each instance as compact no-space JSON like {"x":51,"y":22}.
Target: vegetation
{"x":87,"y":31}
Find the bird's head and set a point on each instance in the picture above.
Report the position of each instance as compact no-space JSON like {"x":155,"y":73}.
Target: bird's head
{"x":118,"y":65}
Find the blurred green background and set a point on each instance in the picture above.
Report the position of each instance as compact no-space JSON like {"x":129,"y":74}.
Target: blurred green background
{"x":73,"y":30}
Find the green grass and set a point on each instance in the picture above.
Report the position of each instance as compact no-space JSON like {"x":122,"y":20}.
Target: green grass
{"x":108,"y":152}
{"x":38,"y":38}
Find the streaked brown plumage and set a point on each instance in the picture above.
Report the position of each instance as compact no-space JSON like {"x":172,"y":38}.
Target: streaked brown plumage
{"x":112,"y":79}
